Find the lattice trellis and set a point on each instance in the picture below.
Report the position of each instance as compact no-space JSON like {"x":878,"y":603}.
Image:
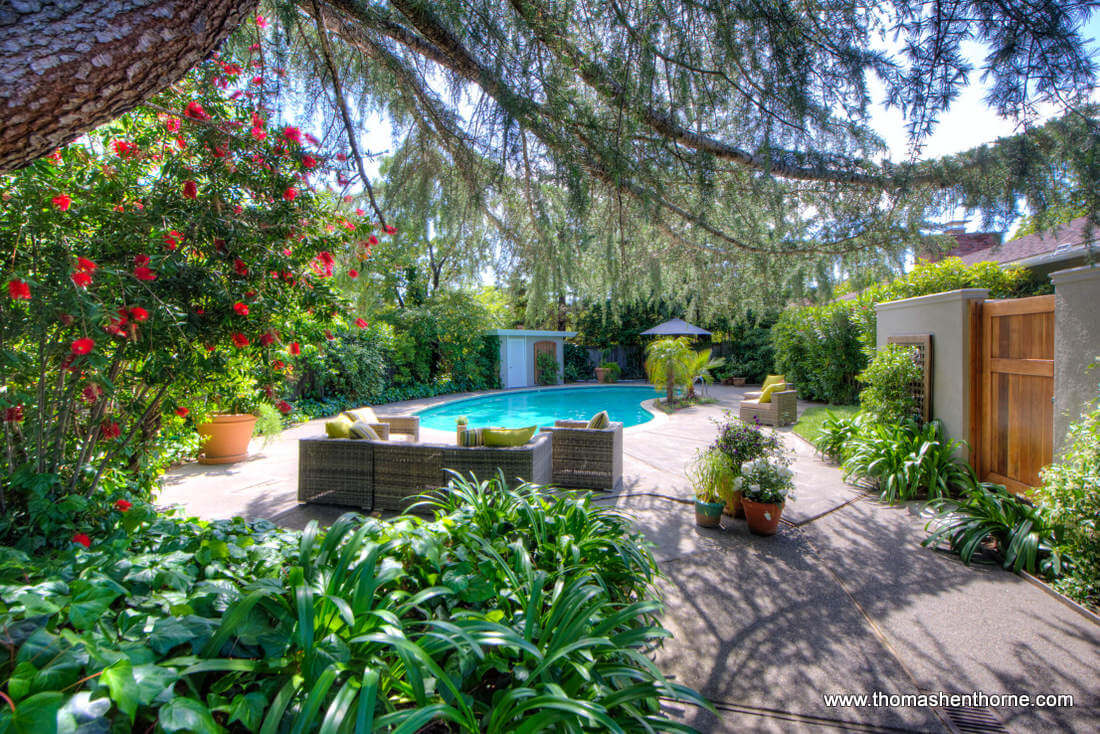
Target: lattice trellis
{"x":922,"y":353}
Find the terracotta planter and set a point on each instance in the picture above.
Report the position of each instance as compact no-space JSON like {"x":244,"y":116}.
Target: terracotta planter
{"x":602,"y":374}
{"x":763,"y":518}
{"x":226,"y":438}
{"x":708,"y":514}
{"x":733,"y":505}
{"x":738,"y":381}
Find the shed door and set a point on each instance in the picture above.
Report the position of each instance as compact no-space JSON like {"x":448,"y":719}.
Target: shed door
{"x":517,"y":364}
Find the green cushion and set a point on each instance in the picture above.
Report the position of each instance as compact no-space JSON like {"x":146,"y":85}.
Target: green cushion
{"x":471,"y":437}
{"x":773,"y":380}
{"x":766,"y":395}
{"x":365,"y":414}
{"x":338,"y":427}
{"x":508,"y":436}
{"x":600,"y":420}
{"x":362,"y":429}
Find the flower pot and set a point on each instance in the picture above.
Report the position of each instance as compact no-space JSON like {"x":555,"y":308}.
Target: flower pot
{"x":708,"y":514}
{"x":226,"y":437}
{"x":733,"y":505}
{"x":763,"y":518}
{"x":738,"y":381}
{"x":602,"y":374}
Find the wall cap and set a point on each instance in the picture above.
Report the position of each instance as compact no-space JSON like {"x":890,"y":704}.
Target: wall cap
{"x":1085,"y":272}
{"x":962,"y":294}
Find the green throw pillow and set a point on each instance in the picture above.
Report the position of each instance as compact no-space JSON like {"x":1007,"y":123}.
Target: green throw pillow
{"x":600,"y":420}
{"x":338,"y":427}
{"x":766,"y":395}
{"x":773,"y":380}
{"x":471,"y":437}
{"x":362,"y":429}
{"x":508,"y":436}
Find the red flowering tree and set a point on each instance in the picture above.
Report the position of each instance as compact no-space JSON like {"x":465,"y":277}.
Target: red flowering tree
{"x":173,"y":260}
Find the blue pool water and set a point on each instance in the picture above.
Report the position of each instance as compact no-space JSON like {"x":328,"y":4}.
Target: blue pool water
{"x":542,"y":407}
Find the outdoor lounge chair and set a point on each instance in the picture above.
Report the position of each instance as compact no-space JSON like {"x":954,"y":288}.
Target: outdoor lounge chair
{"x":397,"y":425}
{"x":587,"y":458}
{"x":379,"y":475}
{"x":781,"y":411}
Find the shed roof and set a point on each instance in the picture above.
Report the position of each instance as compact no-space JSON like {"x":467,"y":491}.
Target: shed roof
{"x":531,"y":332}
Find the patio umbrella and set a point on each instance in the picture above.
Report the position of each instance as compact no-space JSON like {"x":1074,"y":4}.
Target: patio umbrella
{"x":676,"y":327}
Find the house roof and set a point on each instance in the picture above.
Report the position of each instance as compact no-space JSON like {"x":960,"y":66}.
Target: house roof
{"x":1062,"y":242}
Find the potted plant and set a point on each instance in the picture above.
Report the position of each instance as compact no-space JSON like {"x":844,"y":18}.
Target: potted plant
{"x":227,"y":423}
{"x":765,"y":484}
{"x":740,"y":442}
{"x":709,"y":473}
{"x":608,"y":371}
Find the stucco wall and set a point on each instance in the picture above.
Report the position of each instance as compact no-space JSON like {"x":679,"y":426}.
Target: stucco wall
{"x":1076,"y":344}
{"x":946,"y":317}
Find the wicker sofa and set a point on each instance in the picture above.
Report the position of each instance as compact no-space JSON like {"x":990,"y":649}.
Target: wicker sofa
{"x":397,"y":425}
{"x":379,"y":475}
{"x":587,"y":458}
{"x":781,"y":411}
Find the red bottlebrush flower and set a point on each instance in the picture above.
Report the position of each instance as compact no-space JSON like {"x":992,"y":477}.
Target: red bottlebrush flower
{"x":341,"y":157}
{"x":182,"y":411}
{"x":85,"y":264}
{"x":250,"y":294}
{"x":91,"y":393}
{"x":266,"y":339}
{"x":220,"y":151}
{"x":66,"y":319}
{"x":372,"y":240}
{"x":83,"y":345}
{"x":287,"y":251}
{"x":81,"y":279}
{"x":329,"y":335}
{"x":290,"y":194}
{"x":200,"y":311}
{"x":190,"y":189}
{"x":359,"y":212}
{"x":254,"y":47}
{"x":219,"y":245}
{"x":143,"y":273}
{"x":292,"y":134}
{"x":56,"y":156}
{"x":240,"y":308}
{"x":309,"y":161}
{"x":181,"y":143}
{"x":258,"y":133}
{"x":123,"y":505}
{"x":257,"y":80}
{"x":239,"y":267}
{"x":140,"y":260}
{"x":172,"y":239}
{"x":137,"y":313}
{"x":13,"y":414}
{"x":19,"y":290}
{"x":120,"y":208}
{"x":284,"y":407}
{"x":353,"y":273}
{"x":172,"y":124}
{"x":238,"y":209}
{"x":109,"y":430}
{"x":361,"y":323}
{"x":82,"y":539}
{"x":295,"y":348}
{"x":390,"y":229}
{"x":124,"y":149}
{"x":240,"y":340}
{"x":261,"y":21}
{"x":195,"y":111}
{"x":62,"y":202}
{"x":138,"y":205}
{"x":278,"y":364}
{"x":323,"y":264}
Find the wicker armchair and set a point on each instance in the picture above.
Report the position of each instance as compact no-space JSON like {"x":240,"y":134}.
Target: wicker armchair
{"x":402,"y":425}
{"x":587,"y":458}
{"x":379,"y":475}
{"x":781,"y":411}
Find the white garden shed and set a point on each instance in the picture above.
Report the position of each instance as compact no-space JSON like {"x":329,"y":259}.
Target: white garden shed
{"x":519,"y":349}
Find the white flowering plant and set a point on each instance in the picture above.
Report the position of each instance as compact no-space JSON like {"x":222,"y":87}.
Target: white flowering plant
{"x":768,"y":480}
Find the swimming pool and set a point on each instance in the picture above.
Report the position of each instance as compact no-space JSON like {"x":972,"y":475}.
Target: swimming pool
{"x":542,"y":407}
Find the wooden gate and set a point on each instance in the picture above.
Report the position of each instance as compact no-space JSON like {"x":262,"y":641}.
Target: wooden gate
{"x":1012,"y":425}
{"x":544,"y":347}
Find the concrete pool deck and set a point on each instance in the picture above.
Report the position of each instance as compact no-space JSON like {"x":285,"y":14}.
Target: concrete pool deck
{"x":845,"y":600}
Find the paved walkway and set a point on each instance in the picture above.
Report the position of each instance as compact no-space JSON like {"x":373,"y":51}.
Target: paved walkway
{"x":844,"y":600}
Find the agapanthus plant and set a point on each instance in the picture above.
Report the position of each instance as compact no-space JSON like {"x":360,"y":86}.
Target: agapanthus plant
{"x":168,"y":263}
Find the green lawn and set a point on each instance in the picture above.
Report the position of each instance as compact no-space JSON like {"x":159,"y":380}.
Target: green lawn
{"x":810,"y":422}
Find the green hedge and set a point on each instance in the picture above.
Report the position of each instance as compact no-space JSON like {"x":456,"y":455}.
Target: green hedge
{"x":821,"y":349}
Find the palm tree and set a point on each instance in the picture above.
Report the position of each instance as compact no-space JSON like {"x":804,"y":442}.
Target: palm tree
{"x":665,"y":362}
{"x":697,"y":367}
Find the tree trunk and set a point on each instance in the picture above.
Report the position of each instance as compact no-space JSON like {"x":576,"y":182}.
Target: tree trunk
{"x":67,"y":66}
{"x":669,"y":386}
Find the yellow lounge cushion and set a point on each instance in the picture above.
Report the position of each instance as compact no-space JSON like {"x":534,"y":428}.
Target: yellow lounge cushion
{"x":773,"y":380}
{"x":766,"y":395}
{"x":364,"y":430}
{"x":365,"y":414}
{"x":508,"y":436}
{"x":600,"y":420}
{"x":338,"y":427}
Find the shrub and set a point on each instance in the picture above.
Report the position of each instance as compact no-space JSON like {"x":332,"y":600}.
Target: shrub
{"x":351,"y":368}
{"x":511,"y":611}
{"x":889,"y":376}
{"x":750,"y":353}
{"x":835,"y":435}
{"x":547,"y":367}
{"x":1070,"y":499}
{"x":905,"y":461}
{"x":615,"y":370}
{"x":577,"y":367}
{"x":741,"y":441}
{"x":1023,"y":535}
